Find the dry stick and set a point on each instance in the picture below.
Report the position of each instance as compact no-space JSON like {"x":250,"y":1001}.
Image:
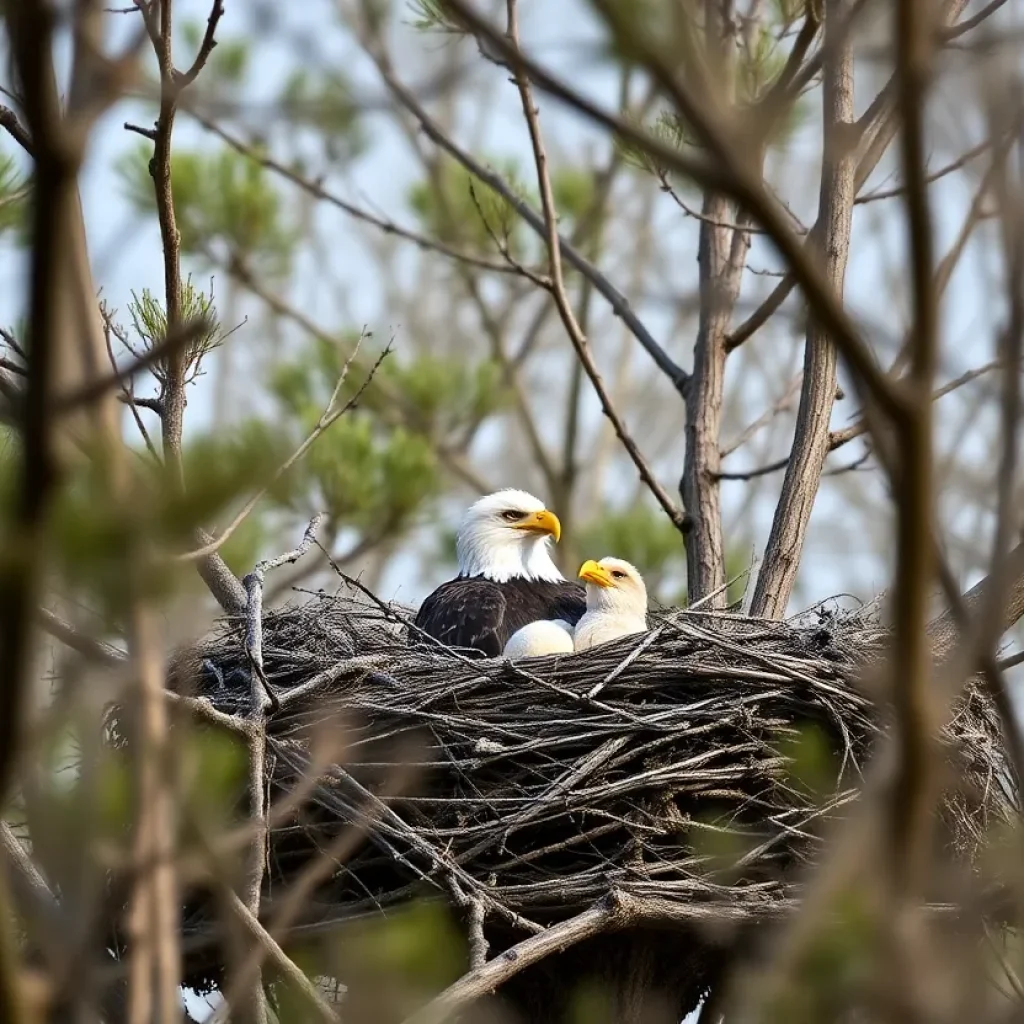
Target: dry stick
{"x":943,"y":276}
{"x":261,"y":695}
{"x":156,"y":915}
{"x":293,"y":974}
{"x":218,"y":578}
{"x":817,"y":395}
{"x":248,"y":999}
{"x":561,"y":299}
{"x":618,"y":302}
{"x":616,"y":911}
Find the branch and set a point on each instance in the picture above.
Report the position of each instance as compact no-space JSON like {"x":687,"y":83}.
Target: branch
{"x":618,"y":302}
{"x":30,"y":27}
{"x":910,"y":815}
{"x":17,"y":131}
{"x":172,"y":343}
{"x":253,"y":583}
{"x":94,"y":650}
{"x":557,"y":286}
{"x":493,"y":974}
{"x":817,"y":395}
{"x":205,"y":47}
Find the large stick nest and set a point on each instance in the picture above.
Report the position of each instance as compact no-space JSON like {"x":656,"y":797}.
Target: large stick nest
{"x":683,"y":765}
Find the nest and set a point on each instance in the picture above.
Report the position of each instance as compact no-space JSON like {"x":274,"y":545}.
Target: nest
{"x":694,"y":765}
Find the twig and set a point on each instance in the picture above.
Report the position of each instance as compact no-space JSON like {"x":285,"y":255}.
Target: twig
{"x":561,"y":299}
{"x":954,"y":165}
{"x":838,"y":438}
{"x":1011,"y":662}
{"x":263,"y":698}
{"x":279,"y":958}
{"x":205,"y":47}
{"x":17,"y":131}
{"x":875,"y":131}
{"x":69,"y":636}
{"x":782,"y":404}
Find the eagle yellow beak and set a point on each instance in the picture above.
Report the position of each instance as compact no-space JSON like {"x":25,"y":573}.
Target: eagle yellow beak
{"x":541,"y":522}
{"x":597,"y":574}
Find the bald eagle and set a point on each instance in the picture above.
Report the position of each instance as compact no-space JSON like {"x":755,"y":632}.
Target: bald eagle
{"x":506,"y":576}
{"x":616,"y":603}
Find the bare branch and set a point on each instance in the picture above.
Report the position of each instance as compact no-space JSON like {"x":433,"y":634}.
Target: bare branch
{"x":910,"y":812}
{"x":205,"y":47}
{"x":557,"y":286}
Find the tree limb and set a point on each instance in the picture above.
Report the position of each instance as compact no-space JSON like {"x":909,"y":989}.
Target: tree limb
{"x":811,"y":437}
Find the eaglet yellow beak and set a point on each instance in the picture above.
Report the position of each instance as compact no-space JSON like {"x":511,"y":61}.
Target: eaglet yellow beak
{"x":541,"y":522}
{"x":595,"y":573}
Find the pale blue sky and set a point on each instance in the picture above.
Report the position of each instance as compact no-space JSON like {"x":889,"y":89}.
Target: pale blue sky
{"x":126,"y":253}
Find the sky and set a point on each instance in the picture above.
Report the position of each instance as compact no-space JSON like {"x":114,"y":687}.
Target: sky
{"x":126,"y":253}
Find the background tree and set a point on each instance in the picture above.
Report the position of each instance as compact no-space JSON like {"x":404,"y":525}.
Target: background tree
{"x":733,"y":286}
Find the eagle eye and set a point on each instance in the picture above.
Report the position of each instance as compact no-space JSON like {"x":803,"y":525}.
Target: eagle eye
{"x":618,"y":575}
{"x":512,"y":516}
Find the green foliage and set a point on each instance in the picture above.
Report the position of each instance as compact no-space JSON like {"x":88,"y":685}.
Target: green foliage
{"x":813,"y":767}
{"x":591,"y":1003}
{"x":720,"y":842}
{"x":324,"y":101}
{"x":14,"y":196}
{"x":434,"y":16}
{"x":458,"y":208}
{"x":149,"y":319}
{"x":837,"y":966}
{"x":574,"y":192}
{"x":377,"y":466}
{"x":214,"y":768}
{"x":644,"y":535}
{"x":219,"y":468}
{"x":220,"y":198}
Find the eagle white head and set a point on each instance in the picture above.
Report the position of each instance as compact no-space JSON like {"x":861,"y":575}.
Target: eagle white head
{"x":616,"y":602}
{"x":507,"y":535}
